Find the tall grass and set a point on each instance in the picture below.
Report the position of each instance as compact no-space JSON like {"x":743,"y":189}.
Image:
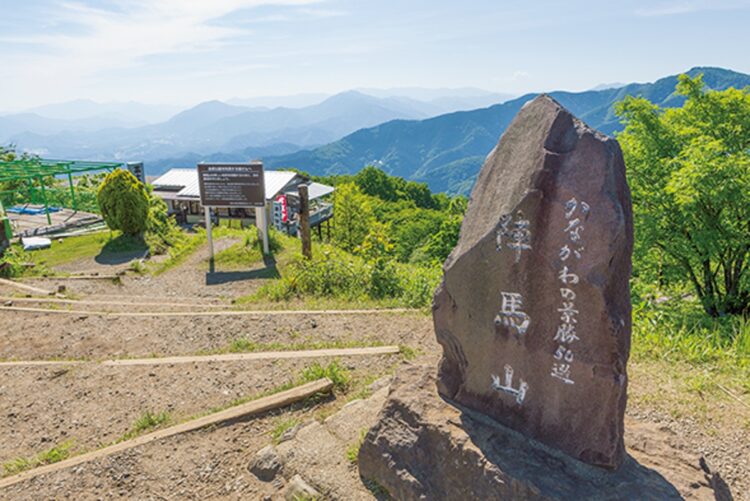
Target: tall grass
{"x":679,"y":330}
{"x":336,"y":274}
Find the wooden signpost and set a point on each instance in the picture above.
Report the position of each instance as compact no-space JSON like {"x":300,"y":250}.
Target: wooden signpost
{"x":233,"y":186}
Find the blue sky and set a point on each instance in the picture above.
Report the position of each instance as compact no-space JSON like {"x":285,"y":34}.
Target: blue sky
{"x":184,"y":51}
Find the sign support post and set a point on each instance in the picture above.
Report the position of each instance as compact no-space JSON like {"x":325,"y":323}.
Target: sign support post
{"x":234,"y":186}
{"x":261,"y":221}
{"x":208,"y":234}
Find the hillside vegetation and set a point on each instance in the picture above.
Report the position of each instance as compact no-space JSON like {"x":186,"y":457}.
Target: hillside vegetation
{"x":447,"y":151}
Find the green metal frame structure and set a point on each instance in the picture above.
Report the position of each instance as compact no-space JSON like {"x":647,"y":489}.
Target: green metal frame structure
{"x":40,"y":169}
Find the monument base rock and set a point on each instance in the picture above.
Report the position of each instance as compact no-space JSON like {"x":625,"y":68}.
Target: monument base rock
{"x":424,"y":448}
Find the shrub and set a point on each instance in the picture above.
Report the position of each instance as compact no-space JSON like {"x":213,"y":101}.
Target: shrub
{"x":124,"y":202}
{"x":162,"y":231}
{"x":377,"y":250}
{"x":352,"y":217}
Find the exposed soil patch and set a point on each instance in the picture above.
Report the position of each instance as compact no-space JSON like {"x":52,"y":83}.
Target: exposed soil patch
{"x":95,"y":405}
{"x":39,"y":336}
{"x":44,"y":406}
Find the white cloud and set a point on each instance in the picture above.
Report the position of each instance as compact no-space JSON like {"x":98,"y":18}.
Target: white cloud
{"x":688,"y":7}
{"x":134,"y":34}
{"x":115,"y":39}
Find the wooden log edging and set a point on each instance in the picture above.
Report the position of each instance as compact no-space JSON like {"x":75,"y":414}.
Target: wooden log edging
{"x":50,"y":300}
{"x":260,"y":355}
{"x":261,"y":405}
{"x":33,"y":363}
{"x":221,"y":357}
{"x":25,"y":288}
{"x":256,"y":313}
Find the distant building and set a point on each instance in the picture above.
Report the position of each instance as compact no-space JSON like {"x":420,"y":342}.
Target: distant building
{"x":179,"y":189}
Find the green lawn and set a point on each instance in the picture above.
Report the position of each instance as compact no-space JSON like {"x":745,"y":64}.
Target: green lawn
{"x":105,"y":244}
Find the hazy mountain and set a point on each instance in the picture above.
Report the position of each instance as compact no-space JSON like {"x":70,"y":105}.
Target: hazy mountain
{"x":130,"y":112}
{"x":605,"y":86}
{"x":447,"y":151}
{"x":443,"y":100}
{"x":293,"y":101}
{"x":209,"y":127}
{"x":31,"y":122}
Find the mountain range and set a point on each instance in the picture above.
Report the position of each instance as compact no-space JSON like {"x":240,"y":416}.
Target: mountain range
{"x":105,"y":132}
{"x":405,"y":131}
{"x":447,"y":151}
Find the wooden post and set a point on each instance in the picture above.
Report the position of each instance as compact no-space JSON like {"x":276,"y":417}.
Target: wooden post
{"x":207,"y":210}
{"x":261,"y":221}
{"x":304,"y":221}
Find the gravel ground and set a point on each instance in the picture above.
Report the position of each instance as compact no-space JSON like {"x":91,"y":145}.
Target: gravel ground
{"x":43,"y":406}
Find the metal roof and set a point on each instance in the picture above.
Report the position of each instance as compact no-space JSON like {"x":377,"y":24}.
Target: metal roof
{"x":317,"y":190}
{"x":28,"y":168}
{"x":186,"y":181}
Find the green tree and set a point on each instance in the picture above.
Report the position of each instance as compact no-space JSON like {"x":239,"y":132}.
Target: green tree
{"x":377,"y":251}
{"x":442,"y":243}
{"x":352,"y":216}
{"x":124,"y":202}
{"x":689,"y":172}
{"x":376,"y":183}
{"x":7,"y":153}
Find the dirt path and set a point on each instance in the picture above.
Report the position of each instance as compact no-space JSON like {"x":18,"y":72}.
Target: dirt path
{"x":44,"y":336}
{"x":191,"y":279}
{"x":41,"y":406}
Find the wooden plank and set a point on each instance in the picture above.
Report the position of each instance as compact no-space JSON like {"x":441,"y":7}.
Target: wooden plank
{"x":261,"y":405}
{"x":256,"y":313}
{"x":79,"y":277}
{"x":261,"y":355}
{"x":25,"y":288}
{"x":27,"y":363}
{"x":49,"y":300}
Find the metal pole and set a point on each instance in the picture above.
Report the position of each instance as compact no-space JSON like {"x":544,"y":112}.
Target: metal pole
{"x":304,"y":221}
{"x":72,"y":191}
{"x":44,"y":197}
{"x":207,"y":210}
{"x":261,"y":221}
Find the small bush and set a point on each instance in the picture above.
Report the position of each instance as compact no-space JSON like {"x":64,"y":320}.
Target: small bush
{"x":14,"y":263}
{"x":124,"y":202}
{"x":333,"y":371}
{"x":147,"y":421}
{"x":161,"y":231}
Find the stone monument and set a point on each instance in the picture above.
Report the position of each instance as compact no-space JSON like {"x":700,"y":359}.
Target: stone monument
{"x":534,"y":310}
{"x":534,"y":319}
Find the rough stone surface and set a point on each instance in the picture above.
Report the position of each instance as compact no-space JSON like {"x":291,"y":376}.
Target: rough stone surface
{"x":425,"y":448}
{"x":297,"y":489}
{"x":266,"y":464}
{"x":318,"y":450}
{"x":534,"y":310}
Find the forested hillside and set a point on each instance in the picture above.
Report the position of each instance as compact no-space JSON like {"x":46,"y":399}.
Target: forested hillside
{"x":447,"y":151}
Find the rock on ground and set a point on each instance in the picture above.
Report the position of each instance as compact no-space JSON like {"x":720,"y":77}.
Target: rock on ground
{"x":424,"y":448}
{"x":318,"y":451}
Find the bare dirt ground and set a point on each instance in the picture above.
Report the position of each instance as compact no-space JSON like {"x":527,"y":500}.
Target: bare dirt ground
{"x":188,"y":280}
{"x":93,"y":405}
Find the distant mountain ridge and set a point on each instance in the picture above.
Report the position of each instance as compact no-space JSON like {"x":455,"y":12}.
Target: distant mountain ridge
{"x":447,"y":151}
{"x":213,"y":128}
